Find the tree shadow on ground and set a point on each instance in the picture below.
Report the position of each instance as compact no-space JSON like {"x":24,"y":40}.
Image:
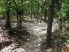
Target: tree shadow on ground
{"x":20,"y":35}
{"x":43,"y":46}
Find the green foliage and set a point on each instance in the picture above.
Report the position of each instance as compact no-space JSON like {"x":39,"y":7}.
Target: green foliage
{"x":64,"y":12}
{"x":67,"y":34}
{"x":27,"y":4}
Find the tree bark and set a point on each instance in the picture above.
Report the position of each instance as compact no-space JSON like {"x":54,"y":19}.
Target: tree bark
{"x":49,"y":26}
{"x":45,"y":11}
{"x":31,"y":9}
{"x":8,"y":25}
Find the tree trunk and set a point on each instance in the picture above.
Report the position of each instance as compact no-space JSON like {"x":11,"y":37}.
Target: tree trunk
{"x":45,"y":11}
{"x":8,"y":25}
{"x":49,"y":26}
{"x":37,"y":14}
{"x":31,"y":10}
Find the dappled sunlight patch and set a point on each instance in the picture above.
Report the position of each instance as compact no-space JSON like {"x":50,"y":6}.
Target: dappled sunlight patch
{"x":13,"y":48}
{"x":19,"y":50}
{"x":3,"y":38}
{"x":49,"y":50}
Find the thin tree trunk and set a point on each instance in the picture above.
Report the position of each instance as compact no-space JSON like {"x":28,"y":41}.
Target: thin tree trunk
{"x":31,"y":10}
{"x":37,"y":14}
{"x":45,"y":11}
{"x":8,"y":25}
{"x":17,"y":15}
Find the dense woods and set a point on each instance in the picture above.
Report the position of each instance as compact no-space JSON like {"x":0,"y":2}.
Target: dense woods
{"x":34,"y":25}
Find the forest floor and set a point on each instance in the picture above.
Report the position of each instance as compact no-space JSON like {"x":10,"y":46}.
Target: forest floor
{"x":34,"y":43}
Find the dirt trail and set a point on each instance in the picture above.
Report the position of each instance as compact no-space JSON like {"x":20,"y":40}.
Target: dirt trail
{"x":38,"y":35}
{"x":38,"y":32}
